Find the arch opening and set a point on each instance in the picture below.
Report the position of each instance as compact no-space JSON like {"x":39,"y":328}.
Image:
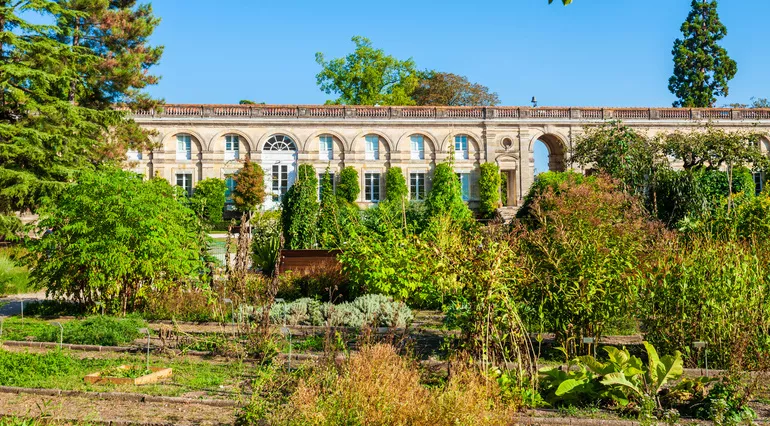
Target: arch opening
{"x":549,"y":154}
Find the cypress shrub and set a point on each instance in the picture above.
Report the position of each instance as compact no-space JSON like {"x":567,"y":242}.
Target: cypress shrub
{"x":299,"y":210}
{"x":395,"y":185}
{"x":489,"y":189}
{"x":348,"y":187}
{"x":445,"y":197}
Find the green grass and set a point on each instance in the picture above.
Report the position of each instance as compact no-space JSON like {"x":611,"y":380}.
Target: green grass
{"x":96,"y":330}
{"x":14,"y":279}
{"x":61,"y":370}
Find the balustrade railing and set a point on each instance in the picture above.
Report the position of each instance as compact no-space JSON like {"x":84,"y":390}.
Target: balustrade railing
{"x":453,"y":113}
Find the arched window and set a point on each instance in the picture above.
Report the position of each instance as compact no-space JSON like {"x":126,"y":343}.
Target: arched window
{"x":280,"y":143}
{"x":461,"y":147}
{"x":183,"y":147}
{"x":232,"y":147}
{"x":418,"y":147}
{"x":372,"y":147}
{"x":326,"y":147}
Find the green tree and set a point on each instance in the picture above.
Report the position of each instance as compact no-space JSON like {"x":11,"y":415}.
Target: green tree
{"x":249,"y":192}
{"x":208,"y":200}
{"x":702,"y":67}
{"x":442,"y":88}
{"x":327,"y":212}
{"x":107,"y":240}
{"x":445,"y":197}
{"x":620,"y":152}
{"x":348,"y":186}
{"x":395,"y":185}
{"x":299,"y":210}
{"x":367,"y":77}
{"x":712,"y":148}
{"x":117,"y":33}
{"x":44,"y":139}
{"x":489,"y":189}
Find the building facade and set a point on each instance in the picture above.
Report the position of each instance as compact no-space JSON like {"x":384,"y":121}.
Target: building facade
{"x":196,"y":142}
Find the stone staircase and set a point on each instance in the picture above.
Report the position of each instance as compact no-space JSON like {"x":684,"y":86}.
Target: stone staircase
{"x":506,"y":214}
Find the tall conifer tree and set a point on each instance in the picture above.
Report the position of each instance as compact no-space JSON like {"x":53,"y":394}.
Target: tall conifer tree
{"x":702,"y":67}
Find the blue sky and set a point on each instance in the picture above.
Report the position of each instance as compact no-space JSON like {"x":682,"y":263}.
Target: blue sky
{"x":591,"y":53}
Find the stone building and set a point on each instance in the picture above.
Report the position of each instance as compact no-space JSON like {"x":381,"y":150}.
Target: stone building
{"x":202,"y":141}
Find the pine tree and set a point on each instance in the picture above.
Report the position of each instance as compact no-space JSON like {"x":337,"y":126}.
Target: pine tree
{"x":44,"y":139}
{"x":116,"y":33}
{"x":702,"y":67}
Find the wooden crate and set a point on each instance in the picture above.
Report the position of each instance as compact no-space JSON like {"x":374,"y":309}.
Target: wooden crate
{"x":158,"y":373}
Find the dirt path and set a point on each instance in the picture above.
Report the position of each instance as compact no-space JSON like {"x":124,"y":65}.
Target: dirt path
{"x":92,"y":410}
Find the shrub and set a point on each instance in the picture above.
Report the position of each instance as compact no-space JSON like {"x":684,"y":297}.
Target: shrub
{"x":299,"y":210}
{"x":249,"y":192}
{"x":110,"y":237}
{"x":348,"y":186}
{"x":445,"y":196}
{"x":368,"y":310}
{"x":324,"y":281}
{"x":13,"y":278}
{"x":553,"y":181}
{"x":395,"y":185}
{"x":182,"y":304}
{"x":582,"y":251}
{"x":208,"y":200}
{"x":378,"y":387}
{"x":708,"y":290}
{"x":489,"y":189}
{"x":327,"y":213}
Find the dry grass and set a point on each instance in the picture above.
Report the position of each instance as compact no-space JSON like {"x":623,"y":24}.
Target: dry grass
{"x":378,"y":387}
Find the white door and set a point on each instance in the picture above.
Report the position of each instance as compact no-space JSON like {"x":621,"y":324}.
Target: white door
{"x":279,"y":161}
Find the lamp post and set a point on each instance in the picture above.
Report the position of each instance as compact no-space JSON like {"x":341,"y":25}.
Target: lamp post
{"x":534,"y":102}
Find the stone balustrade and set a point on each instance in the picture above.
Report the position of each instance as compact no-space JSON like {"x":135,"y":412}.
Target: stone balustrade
{"x":451,"y":113}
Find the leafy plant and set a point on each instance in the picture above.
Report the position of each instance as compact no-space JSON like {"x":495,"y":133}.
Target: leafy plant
{"x":489,"y":189}
{"x":208,"y":200}
{"x":112,"y":237}
{"x":348,"y":187}
{"x":395,"y":185}
{"x":622,"y":378}
{"x":445,"y":196}
{"x":299,"y":210}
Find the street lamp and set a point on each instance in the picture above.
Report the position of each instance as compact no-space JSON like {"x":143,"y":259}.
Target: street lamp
{"x":534,"y":102}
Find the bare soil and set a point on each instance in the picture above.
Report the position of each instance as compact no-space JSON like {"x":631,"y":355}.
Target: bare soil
{"x":93,"y":410}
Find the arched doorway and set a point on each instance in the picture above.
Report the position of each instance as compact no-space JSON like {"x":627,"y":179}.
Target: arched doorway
{"x":549,"y":154}
{"x":279,"y":160}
